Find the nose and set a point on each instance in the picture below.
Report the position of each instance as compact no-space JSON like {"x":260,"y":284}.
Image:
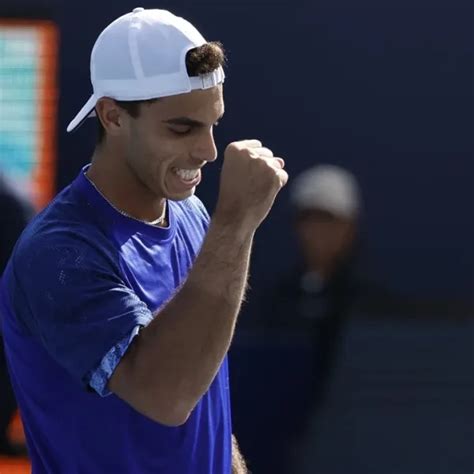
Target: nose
{"x":205,"y":147}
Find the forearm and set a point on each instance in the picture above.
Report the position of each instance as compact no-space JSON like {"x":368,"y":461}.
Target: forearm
{"x":178,"y":354}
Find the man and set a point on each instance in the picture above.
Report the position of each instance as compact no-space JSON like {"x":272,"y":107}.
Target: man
{"x":117,"y":346}
{"x":327,"y":205}
{"x":15,"y":213}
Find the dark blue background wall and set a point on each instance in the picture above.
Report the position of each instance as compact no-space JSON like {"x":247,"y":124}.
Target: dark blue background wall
{"x":384,"y":88}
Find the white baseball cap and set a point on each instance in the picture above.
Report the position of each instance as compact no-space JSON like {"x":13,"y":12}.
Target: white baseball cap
{"x":329,"y":188}
{"x":142,"y":55}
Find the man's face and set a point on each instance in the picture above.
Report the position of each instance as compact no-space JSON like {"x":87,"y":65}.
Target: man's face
{"x":325,"y":238}
{"x":171,"y":140}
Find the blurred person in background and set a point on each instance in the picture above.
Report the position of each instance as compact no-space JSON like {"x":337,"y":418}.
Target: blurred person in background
{"x":15,"y":213}
{"x":326,"y":206}
{"x":299,"y":318}
{"x":316,"y":296}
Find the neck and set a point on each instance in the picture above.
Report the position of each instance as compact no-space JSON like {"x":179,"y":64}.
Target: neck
{"x":121,"y":187}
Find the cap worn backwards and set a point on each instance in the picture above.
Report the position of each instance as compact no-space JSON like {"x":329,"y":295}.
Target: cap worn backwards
{"x":142,"y":55}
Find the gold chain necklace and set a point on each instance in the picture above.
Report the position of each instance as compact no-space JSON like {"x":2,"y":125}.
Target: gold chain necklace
{"x":156,"y":222}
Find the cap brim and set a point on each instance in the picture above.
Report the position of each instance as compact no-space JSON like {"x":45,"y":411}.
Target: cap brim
{"x":83,"y":114}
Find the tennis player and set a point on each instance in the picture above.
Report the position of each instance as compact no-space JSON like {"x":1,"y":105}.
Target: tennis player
{"x":121,"y":298}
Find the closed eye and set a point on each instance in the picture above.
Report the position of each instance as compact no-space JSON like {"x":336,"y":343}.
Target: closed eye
{"x":181,"y":130}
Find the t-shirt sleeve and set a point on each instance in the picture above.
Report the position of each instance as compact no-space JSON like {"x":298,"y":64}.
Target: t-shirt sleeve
{"x":70,"y":296}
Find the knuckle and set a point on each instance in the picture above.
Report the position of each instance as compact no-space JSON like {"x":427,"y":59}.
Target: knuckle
{"x":248,"y":152}
{"x":261,"y":163}
{"x":232,"y":146}
{"x":283,"y":176}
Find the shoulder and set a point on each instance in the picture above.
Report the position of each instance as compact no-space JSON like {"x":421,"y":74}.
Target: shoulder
{"x":193,"y":209}
{"x":63,"y":231}
{"x":195,"y":204}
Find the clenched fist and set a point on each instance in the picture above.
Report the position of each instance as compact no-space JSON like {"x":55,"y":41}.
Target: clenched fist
{"x":250,"y":180}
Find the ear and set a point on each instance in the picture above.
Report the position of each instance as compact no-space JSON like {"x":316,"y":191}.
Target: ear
{"x":110,"y":115}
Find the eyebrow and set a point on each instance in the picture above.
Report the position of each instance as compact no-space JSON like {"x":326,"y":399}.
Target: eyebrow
{"x":187,"y":121}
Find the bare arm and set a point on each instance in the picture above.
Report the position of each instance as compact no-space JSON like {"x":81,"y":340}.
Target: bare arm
{"x":173,"y":361}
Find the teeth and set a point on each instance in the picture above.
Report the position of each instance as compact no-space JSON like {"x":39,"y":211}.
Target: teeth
{"x":187,"y":175}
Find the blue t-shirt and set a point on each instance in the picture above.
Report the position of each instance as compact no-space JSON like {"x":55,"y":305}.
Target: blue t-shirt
{"x":82,"y":281}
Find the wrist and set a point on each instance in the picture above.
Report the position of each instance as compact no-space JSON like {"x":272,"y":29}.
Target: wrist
{"x":233,"y":224}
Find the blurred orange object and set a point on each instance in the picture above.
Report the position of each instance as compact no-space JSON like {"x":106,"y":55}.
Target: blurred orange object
{"x":14,"y":466}
{"x":10,"y":465}
{"x":16,"y":433}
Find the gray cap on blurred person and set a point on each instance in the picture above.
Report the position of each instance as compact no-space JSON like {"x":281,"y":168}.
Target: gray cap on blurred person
{"x":328,"y":188}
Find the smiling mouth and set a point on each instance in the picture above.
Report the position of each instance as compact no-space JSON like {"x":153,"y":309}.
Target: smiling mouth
{"x":188,"y":175}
